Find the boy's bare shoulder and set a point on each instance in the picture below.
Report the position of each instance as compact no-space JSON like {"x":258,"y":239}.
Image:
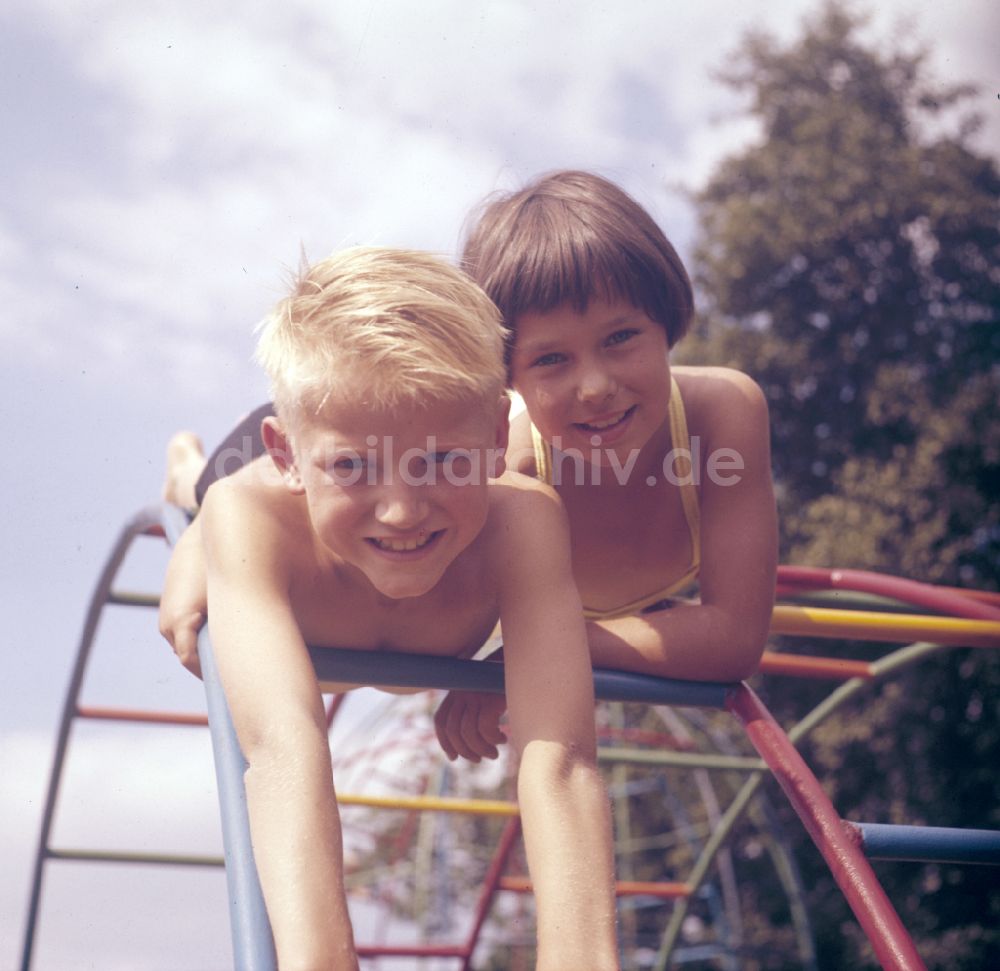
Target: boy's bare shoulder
{"x":524,"y":510}
{"x":516,"y":487}
{"x":253,"y":506}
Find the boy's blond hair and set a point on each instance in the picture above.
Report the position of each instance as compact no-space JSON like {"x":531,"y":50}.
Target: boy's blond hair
{"x":407,"y":324}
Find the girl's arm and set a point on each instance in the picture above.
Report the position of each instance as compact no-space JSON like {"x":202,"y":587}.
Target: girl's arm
{"x":722,"y":637}
{"x":277,"y":711}
{"x":549,"y":686}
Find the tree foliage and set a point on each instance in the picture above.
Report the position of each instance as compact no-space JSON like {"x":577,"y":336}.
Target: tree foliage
{"x":850,"y":261}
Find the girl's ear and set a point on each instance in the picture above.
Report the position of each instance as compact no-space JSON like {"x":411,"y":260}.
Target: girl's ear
{"x":279,"y":447}
{"x":497,"y":464}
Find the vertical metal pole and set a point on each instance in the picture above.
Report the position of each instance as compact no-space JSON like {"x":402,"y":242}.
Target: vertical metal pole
{"x":253,"y":943}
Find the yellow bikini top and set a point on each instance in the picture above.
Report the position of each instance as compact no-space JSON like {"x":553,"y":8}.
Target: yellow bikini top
{"x":689,"y":498}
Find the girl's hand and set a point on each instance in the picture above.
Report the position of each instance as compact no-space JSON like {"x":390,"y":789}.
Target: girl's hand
{"x":468,"y":725}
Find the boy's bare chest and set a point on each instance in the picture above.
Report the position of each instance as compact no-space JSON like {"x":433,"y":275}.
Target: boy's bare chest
{"x":455,"y":618}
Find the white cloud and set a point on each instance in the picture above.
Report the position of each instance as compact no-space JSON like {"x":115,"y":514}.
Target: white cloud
{"x":231,"y":139}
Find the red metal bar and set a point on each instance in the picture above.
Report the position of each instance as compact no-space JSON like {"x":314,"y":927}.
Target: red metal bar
{"x":490,"y":886}
{"x":138,"y":715}
{"x":774,"y":662}
{"x":946,"y":600}
{"x":333,"y":706}
{"x":850,"y":868}
{"x":411,"y":951}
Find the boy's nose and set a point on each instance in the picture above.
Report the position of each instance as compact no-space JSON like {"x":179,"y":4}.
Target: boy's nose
{"x":401,"y":507}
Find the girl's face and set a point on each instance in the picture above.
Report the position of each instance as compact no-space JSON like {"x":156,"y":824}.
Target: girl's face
{"x":597,"y":381}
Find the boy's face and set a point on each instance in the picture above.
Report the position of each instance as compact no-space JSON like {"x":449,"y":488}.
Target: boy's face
{"x":597,"y":381}
{"x":398,"y":494}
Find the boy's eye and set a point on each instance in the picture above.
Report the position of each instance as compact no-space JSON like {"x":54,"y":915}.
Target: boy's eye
{"x":457,"y":460}
{"x":346,"y":468}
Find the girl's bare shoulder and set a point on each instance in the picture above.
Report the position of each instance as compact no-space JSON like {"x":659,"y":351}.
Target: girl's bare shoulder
{"x":718,"y":394}
{"x":521,"y":448}
{"x":714,"y":382}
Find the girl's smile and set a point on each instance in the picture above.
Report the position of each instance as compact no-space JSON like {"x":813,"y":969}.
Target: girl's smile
{"x":596,"y":379}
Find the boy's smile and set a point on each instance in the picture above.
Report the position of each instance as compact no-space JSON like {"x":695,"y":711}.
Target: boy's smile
{"x":399,"y":545}
{"x":398,"y":494}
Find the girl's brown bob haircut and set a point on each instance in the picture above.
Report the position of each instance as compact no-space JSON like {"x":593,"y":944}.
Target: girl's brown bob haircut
{"x":568,"y":237}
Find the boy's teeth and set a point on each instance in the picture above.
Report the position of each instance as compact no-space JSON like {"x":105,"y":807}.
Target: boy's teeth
{"x":403,"y":545}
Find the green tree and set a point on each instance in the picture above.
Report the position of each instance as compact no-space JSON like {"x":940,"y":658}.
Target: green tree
{"x":850,"y":261}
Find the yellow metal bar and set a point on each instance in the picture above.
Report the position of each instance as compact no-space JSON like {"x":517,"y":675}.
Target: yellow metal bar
{"x":444,"y":804}
{"x":875,"y":626}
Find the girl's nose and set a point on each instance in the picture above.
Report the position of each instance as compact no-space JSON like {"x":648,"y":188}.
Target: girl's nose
{"x":596,"y":384}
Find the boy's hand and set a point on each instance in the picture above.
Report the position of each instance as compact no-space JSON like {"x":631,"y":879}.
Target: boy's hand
{"x":184,"y":601}
{"x":468,"y":725}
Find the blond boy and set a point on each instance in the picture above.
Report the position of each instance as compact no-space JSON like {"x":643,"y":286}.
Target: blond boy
{"x":387,"y":521}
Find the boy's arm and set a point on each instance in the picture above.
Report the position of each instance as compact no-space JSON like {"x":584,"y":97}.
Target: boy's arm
{"x":277,"y":711}
{"x":549,"y":686}
{"x":722,"y":637}
{"x":184,"y":598}
{"x":183,"y":602}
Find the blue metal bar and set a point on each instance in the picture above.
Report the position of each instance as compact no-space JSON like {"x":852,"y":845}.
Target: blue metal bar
{"x":929,"y":844}
{"x":253,"y":943}
{"x":401,"y":670}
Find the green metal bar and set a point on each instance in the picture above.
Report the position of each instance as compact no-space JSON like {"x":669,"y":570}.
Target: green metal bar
{"x":892,"y":663}
{"x":700,"y":869}
{"x":686,"y":760}
{"x":852,"y":600}
{"x":125,"y":598}
{"x":126,"y":856}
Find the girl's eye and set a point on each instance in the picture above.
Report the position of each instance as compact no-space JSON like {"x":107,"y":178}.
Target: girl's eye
{"x":621,"y":336}
{"x":547,"y":360}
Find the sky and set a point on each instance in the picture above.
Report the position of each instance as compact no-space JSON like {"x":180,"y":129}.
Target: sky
{"x":163,"y":165}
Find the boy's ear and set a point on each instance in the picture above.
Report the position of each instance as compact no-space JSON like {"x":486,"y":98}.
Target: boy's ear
{"x":501,"y":436}
{"x":279,"y":447}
